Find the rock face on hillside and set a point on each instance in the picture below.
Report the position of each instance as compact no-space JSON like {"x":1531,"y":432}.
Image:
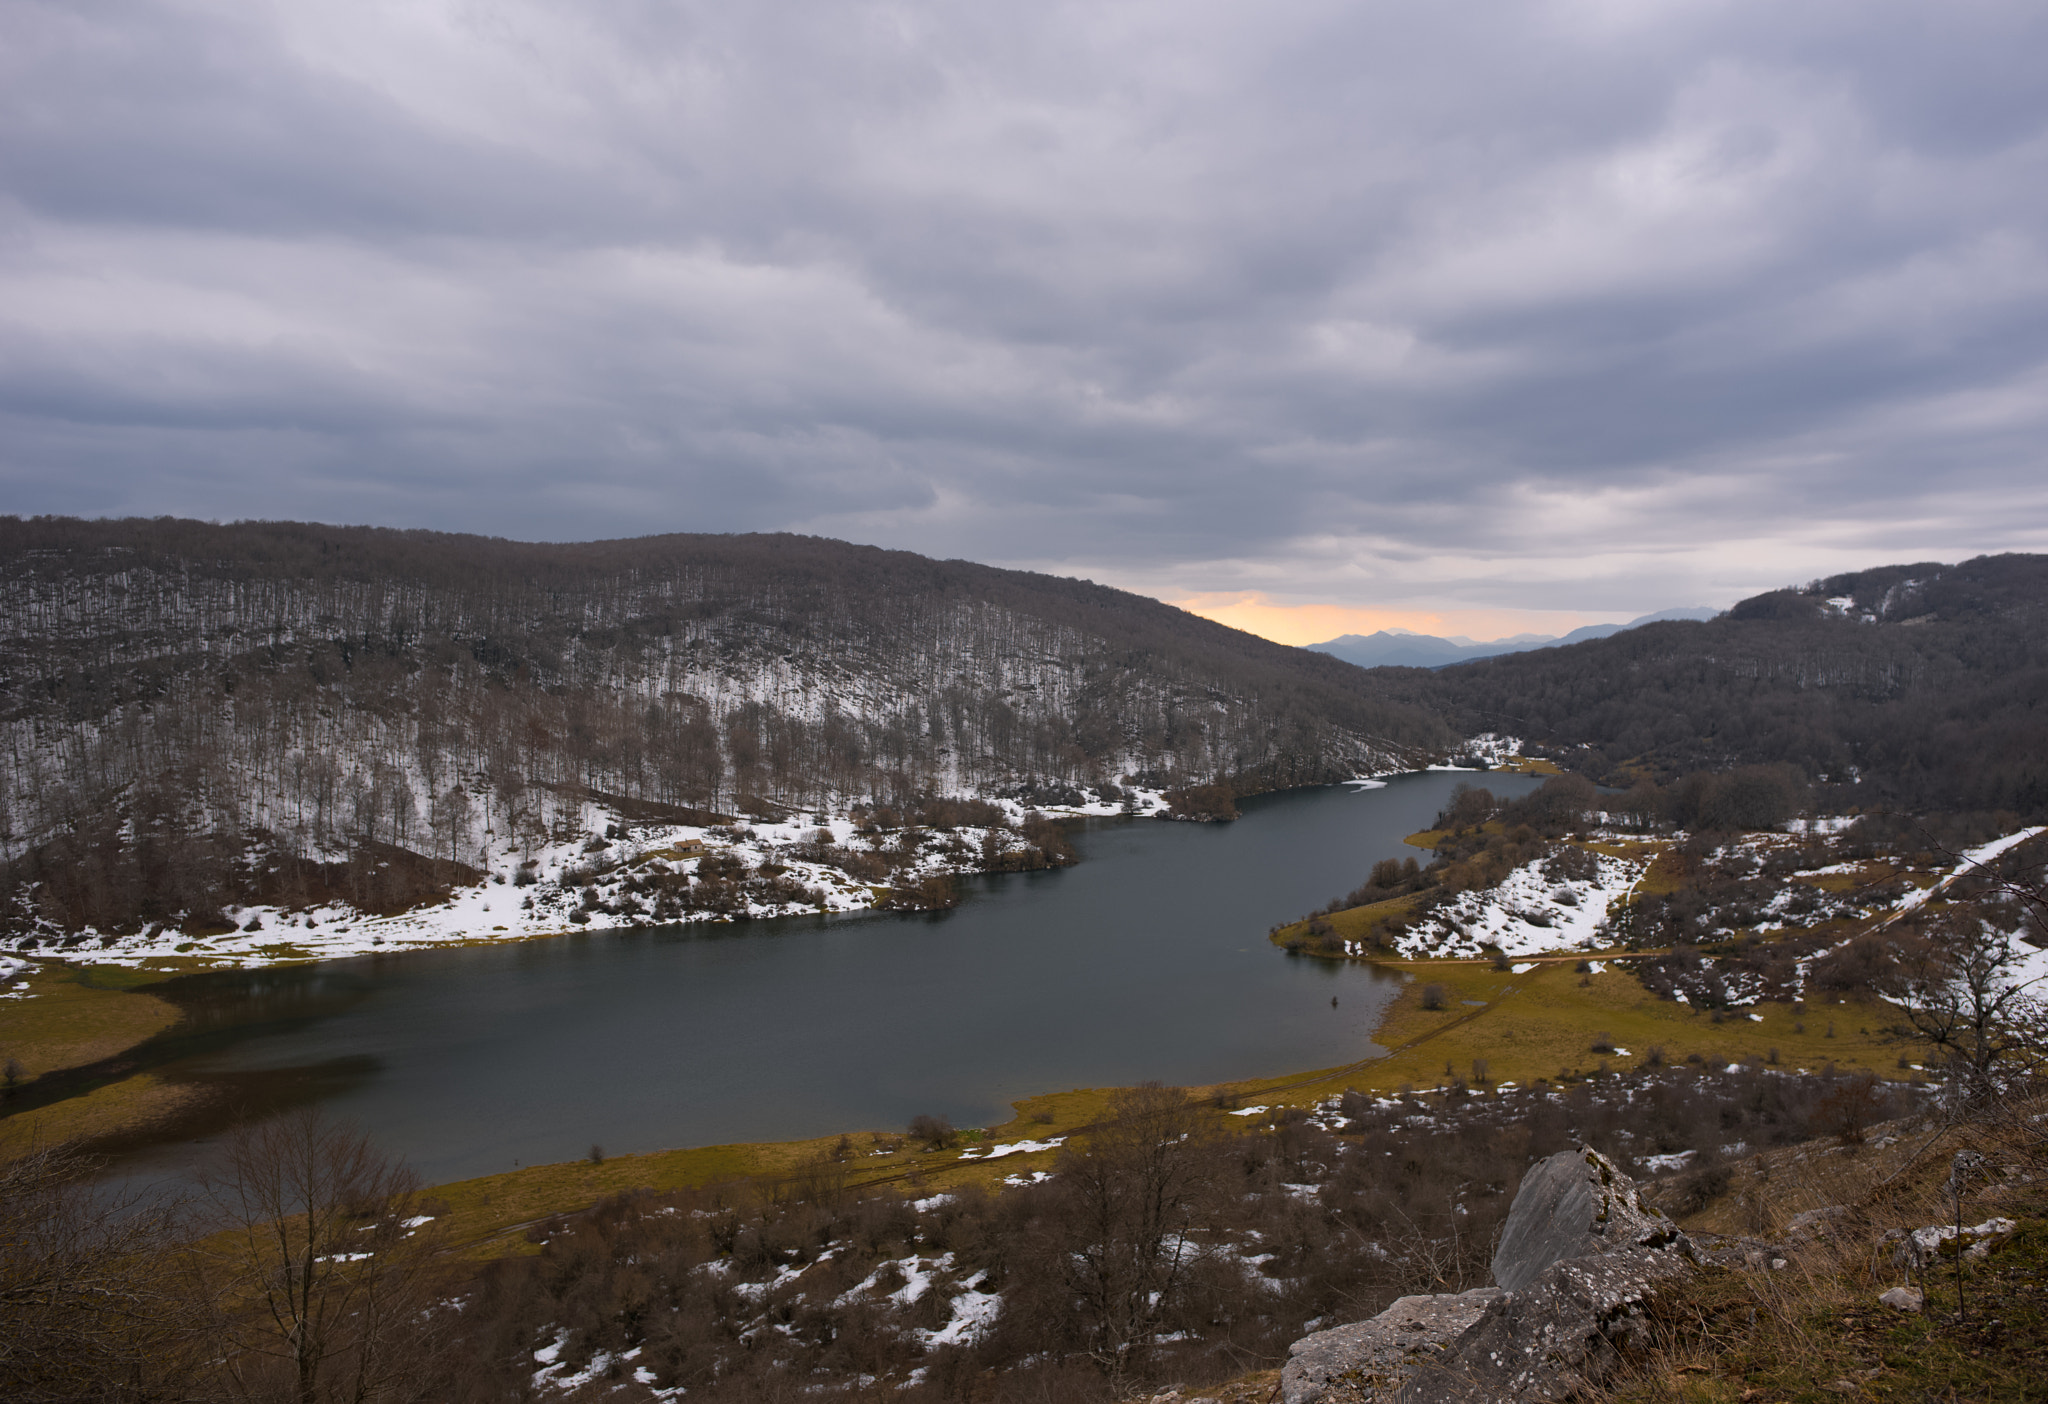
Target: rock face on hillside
{"x":1572,"y":1205}
{"x":1555,"y":1339}
{"x":1578,"y":1261}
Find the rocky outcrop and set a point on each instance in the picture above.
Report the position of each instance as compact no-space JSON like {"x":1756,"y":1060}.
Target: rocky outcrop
{"x":1579,"y":1260}
{"x":1555,"y":1339}
{"x":1923,"y":1247}
{"x":1373,"y":1358}
{"x":1572,"y":1205}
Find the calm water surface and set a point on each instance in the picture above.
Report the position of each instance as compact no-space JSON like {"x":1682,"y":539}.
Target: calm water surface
{"x":1148,"y":960}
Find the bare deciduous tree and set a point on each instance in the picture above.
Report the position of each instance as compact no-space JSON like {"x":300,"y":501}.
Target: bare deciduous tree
{"x":91,"y":1306}
{"x":325,"y":1264}
{"x":1122,"y":1249}
{"x":1955,"y":978}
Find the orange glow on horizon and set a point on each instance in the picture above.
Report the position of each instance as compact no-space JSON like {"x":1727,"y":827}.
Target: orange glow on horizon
{"x":1299,"y":624}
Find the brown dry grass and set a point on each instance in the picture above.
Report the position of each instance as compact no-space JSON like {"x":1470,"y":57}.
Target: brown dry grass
{"x":1812,"y":1328}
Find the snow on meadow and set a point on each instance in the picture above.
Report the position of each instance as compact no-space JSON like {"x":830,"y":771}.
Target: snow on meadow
{"x":1014,"y":1148}
{"x":1533,"y":912}
{"x":1529,"y":913}
{"x":1968,"y":861}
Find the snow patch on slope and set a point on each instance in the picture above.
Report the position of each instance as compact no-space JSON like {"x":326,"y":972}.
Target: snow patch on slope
{"x":1527,"y":914}
{"x":499,"y":908}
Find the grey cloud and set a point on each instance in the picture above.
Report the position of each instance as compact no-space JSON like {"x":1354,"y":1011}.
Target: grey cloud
{"x":1577,"y":305}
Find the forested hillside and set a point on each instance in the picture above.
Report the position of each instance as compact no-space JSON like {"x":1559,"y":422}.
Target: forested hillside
{"x":190,"y":707}
{"x":1915,"y":687}
{"x":174,"y":691}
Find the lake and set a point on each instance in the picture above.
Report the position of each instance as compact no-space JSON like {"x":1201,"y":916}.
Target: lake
{"x":1148,"y":960}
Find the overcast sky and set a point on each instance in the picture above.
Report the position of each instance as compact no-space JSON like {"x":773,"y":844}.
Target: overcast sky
{"x":1417,"y":312}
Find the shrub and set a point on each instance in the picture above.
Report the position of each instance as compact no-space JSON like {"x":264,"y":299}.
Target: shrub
{"x":933,"y":1132}
{"x":1433,"y":996}
{"x":1206,"y":803}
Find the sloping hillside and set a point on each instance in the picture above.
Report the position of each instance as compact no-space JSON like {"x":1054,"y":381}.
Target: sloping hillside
{"x":174,"y":691}
{"x":1917,"y":686}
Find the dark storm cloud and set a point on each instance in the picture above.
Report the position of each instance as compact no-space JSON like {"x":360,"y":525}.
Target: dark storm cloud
{"x":1559,"y":305}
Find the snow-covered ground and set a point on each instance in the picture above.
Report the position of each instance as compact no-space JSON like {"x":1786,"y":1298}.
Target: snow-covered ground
{"x":1496,"y":748}
{"x":1530,"y":913}
{"x":1014,"y":1148}
{"x":1493,"y":749}
{"x":1969,"y":860}
{"x":972,"y":1311}
{"x":1527,"y":914}
{"x":503,"y":908}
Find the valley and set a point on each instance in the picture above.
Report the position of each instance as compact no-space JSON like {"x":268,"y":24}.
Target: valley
{"x":795,"y":922}
{"x":1142,"y":961}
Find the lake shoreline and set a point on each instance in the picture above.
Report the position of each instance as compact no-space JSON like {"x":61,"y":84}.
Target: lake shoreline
{"x":232,"y":1071}
{"x":268,"y":937}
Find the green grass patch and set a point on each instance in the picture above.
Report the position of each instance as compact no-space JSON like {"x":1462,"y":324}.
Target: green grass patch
{"x":1430,"y":838}
{"x":113,"y":1109}
{"x":1666,"y":874}
{"x":487,"y":1216}
{"x":1544,"y":1023}
{"x":113,"y":977}
{"x":1637,"y":850}
{"x":1351,"y":924}
{"x":76,"y":1015}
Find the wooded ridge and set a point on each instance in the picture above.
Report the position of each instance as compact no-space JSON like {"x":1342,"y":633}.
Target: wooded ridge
{"x":190,"y":709}
{"x":1907,"y":687}
{"x":172,"y":691}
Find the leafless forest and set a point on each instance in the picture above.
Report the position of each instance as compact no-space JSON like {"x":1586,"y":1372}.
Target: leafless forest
{"x":193,"y":712}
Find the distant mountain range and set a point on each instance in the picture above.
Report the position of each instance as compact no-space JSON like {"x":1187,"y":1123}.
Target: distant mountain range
{"x":1398,"y":648}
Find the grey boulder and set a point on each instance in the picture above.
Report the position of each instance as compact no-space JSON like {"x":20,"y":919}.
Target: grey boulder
{"x":1571,"y":1205}
{"x":1579,"y":1260}
{"x":1372,"y":1359}
{"x":1558,"y":1338}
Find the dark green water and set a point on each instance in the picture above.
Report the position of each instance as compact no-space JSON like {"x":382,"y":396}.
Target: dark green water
{"x":1148,"y":960}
